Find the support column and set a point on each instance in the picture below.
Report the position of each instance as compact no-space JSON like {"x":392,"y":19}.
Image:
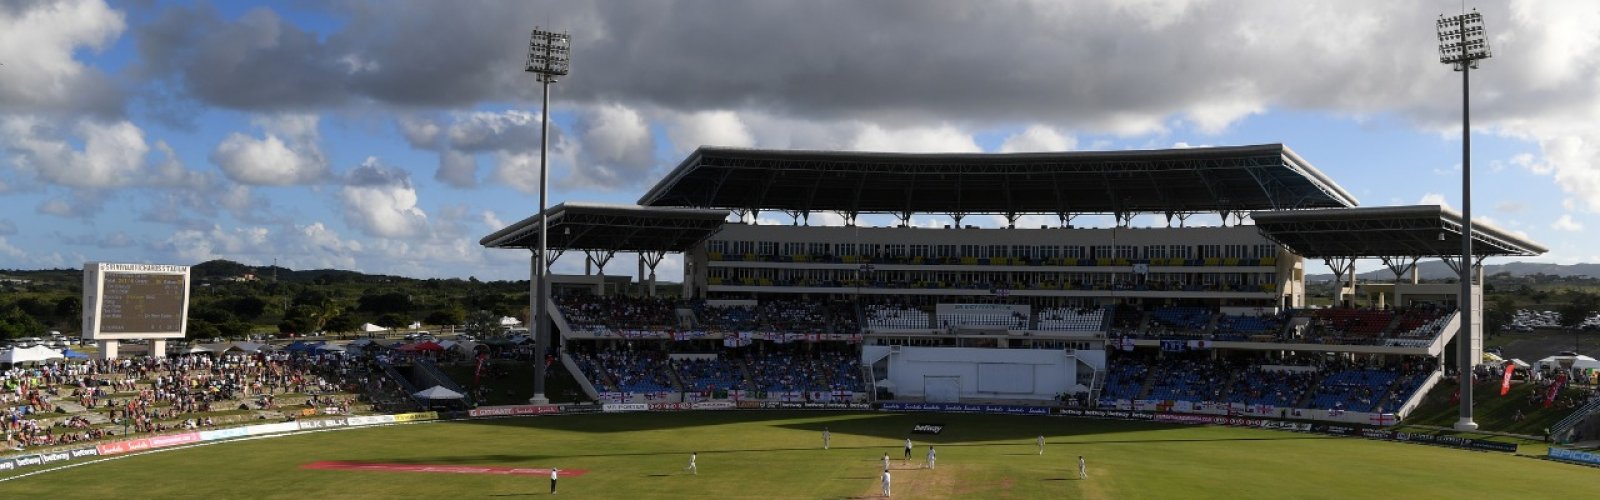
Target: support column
{"x":158,"y":348}
{"x":651,"y":260}
{"x":108,"y":349}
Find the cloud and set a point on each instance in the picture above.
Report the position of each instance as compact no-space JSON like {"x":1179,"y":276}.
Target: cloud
{"x":1511,"y":207}
{"x":616,"y":148}
{"x":1434,"y":199}
{"x":719,"y":128}
{"x":939,"y":139}
{"x":7,"y":228}
{"x":1566,"y":223}
{"x":381,"y":202}
{"x":39,"y":42}
{"x":1038,"y":138}
{"x":118,"y":239}
{"x":286,"y":154}
{"x":112,"y":153}
{"x":509,"y":136}
{"x":76,"y":205}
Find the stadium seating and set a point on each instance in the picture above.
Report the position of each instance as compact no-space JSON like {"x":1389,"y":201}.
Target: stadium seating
{"x":1184,"y":318}
{"x":709,"y":374}
{"x":1356,"y":389}
{"x":889,"y":317}
{"x":1013,"y":321}
{"x":1068,"y":319}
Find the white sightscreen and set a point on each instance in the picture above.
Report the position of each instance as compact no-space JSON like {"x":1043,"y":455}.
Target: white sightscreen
{"x":1005,"y":378}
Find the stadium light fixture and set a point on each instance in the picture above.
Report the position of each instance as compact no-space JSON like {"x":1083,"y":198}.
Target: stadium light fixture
{"x":1462,"y":43}
{"x":549,"y":55}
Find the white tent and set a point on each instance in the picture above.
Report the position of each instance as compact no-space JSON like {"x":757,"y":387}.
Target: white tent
{"x":467,"y":346}
{"x":1575,"y":362}
{"x":448,"y":344}
{"x":29,"y":355}
{"x":509,"y":321}
{"x":369,"y":328}
{"x":437,"y":392}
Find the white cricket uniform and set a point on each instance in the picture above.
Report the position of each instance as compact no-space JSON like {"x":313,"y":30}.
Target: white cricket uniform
{"x":1041,"y":445}
{"x":692,"y":468}
{"x":1083,"y":469}
{"x":931,"y":458}
{"x":825,"y":438}
{"x":886,"y":483}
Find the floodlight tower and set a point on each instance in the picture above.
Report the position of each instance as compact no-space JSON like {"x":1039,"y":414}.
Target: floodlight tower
{"x":548,"y":56}
{"x":1462,"y":43}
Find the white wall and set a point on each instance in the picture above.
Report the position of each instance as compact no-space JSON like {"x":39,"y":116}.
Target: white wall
{"x":1051,"y":371}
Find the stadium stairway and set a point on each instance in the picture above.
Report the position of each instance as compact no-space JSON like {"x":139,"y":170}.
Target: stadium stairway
{"x":577,"y":374}
{"x":1311,"y":393}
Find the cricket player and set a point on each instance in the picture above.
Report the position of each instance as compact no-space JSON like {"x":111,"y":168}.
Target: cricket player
{"x":886,"y":461}
{"x":826,"y":436}
{"x":1041,"y":444}
{"x":886,"y":483}
{"x":908,"y":450}
{"x":553,"y":472}
{"x":1083,"y":470}
{"x":692,"y":468}
{"x":931,"y":457}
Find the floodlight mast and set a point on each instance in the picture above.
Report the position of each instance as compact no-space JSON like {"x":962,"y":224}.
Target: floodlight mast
{"x":549,"y":54}
{"x":1462,"y":43}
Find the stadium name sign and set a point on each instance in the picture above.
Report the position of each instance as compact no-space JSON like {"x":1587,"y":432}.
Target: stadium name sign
{"x":1582,"y":457}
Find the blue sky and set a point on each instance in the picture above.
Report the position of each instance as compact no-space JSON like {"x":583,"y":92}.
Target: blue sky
{"x":388,"y":137}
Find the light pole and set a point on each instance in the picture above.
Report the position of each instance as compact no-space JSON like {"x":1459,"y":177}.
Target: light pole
{"x":548,"y":56}
{"x":1462,"y":43}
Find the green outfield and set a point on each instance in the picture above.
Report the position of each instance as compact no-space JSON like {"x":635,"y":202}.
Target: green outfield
{"x":751,"y":454}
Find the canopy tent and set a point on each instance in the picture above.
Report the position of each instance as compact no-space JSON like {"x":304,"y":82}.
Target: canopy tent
{"x":448,"y":344}
{"x":361,"y":343}
{"x":301,"y":346}
{"x":71,"y":354}
{"x":436,"y":393}
{"x":28,"y":355}
{"x":467,"y":346}
{"x":330,"y":348}
{"x":422,"y":347}
{"x":369,"y":328}
{"x":1563,"y":362}
{"x":1520,"y":364}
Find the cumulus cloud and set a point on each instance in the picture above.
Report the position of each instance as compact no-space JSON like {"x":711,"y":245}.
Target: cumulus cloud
{"x":939,"y":139}
{"x":723,"y":128}
{"x":1566,"y":223}
{"x":381,"y":202}
{"x":112,"y":154}
{"x":615,"y":148}
{"x":7,"y":228}
{"x":510,"y":135}
{"x":38,"y":43}
{"x":1434,"y":199}
{"x":1038,"y":138}
{"x":287,"y":153}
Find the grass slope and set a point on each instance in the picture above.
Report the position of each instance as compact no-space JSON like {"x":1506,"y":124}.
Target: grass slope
{"x":1490,"y":410}
{"x":779,"y":455}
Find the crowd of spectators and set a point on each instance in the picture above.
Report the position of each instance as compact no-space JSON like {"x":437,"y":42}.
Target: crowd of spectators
{"x":618,"y":312}
{"x":67,"y":402}
{"x":783,"y":316}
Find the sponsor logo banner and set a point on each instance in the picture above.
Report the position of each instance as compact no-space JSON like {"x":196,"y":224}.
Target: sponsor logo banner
{"x":213,"y":435}
{"x":927,"y":428}
{"x":55,"y":456}
{"x":516,"y":410}
{"x":670,"y":406}
{"x":750,"y":405}
{"x":174,"y":439}
{"x":84,"y":452}
{"x":967,"y":408}
{"x":368,"y":420}
{"x":616,"y":407}
{"x":578,"y":409}
{"x":1583,"y":457}
{"x":257,"y":430}
{"x":714,"y":405}
{"x":416,"y":417}
{"x":321,"y":424}
{"x":28,"y":460}
{"x":786,"y":405}
{"x":7,"y":464}
{"x":112,"y":448}
{"x":138,"y":445}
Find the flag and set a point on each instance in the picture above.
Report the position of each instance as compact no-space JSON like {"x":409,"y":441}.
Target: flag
{"x":1555,"y":390}
{"x":1505,"y":383}
{"x":477,"y":374}
{"x":1199,"y":344}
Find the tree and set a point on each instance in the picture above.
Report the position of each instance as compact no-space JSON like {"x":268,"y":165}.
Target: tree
{"x":248,"y":307}
{"x":392,"y":321}
{"x":447,"y":316}
{"x":1539,"y":296}
{"x":1580,"y":306}
{"x":484,"y":324}
{"x":68,"y":309}
{"x":343,"y":323}
{"x":1498,"y":315}
{"x":384,"y":303}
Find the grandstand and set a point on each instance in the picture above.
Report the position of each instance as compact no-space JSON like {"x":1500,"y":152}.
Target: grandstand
{"x":964,"y":313}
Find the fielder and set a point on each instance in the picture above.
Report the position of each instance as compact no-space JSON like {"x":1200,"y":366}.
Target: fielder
{"x":692,"y":468}
{"x":553,"y":472}
{"x":885,"y":483}
{"x":932,"y":459}
{"x":908,"y":450}
{"x":1083,"y":470}
{"x":1041,"y":444}
{"x":886,"y":461}
{"x":826,"y":436}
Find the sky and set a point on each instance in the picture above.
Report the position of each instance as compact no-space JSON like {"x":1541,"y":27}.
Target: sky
{"x":389,"y":136}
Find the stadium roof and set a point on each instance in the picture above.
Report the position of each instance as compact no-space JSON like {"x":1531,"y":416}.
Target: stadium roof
{"x":1405,"y":231}
{"x":626,"y":228}
{"x":1238,"y":178}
